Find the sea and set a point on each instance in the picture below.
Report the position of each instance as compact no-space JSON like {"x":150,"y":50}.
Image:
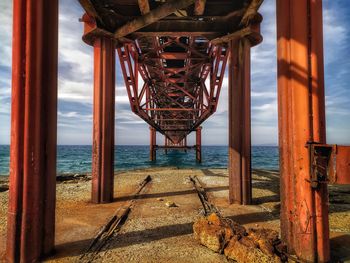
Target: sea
{"x":72,"y":159}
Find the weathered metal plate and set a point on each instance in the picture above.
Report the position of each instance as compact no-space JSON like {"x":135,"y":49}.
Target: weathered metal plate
{"x":340,"y":173}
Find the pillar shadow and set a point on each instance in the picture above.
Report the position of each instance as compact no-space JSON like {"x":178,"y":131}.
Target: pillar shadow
{"x":167,"y":194}
{"x":269,"y":182}
{"x":340,"y":250}
{"x":207,"y":172}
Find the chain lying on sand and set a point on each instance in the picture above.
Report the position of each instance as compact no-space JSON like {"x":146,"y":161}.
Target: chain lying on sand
{"x":203,"y":197}
{"x":112,"y":226}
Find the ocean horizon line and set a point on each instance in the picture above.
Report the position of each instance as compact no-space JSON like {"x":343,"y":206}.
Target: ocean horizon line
{"x":78,"y":158}
{"x":221,"y":145}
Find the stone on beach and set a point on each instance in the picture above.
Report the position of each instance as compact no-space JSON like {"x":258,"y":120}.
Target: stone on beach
{"x":212,"y":232}
{"x":224,"y":235}
{"x":242,"y":253}
{"x":170,"y":204}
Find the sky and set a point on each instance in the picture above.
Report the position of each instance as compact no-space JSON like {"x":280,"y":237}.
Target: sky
{"x":75,"y":84}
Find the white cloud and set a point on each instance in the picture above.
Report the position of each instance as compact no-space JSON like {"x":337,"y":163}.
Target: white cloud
{"x":6,"y":33}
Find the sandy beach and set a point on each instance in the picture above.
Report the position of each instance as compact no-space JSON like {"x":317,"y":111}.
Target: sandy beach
{"x":154,"y":232}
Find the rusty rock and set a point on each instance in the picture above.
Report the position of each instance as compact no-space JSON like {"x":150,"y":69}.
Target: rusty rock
{"x":212,"y":232}
{"x":248,"y":242}
{"x":265,"y":239}
{"x":245,"y":254}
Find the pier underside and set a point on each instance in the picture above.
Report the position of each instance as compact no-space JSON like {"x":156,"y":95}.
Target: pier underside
{"x":179,"y":49}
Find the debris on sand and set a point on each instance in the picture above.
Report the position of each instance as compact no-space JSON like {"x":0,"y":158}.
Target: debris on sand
{"x":223,"y":235}
{"x":170,"y":204}
{"x":4,"y":187}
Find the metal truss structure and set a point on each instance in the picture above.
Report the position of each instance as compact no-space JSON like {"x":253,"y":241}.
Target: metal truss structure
{"x":174,"y":97}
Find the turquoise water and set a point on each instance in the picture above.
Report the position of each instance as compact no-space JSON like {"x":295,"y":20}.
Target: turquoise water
{"x":77,"y":159}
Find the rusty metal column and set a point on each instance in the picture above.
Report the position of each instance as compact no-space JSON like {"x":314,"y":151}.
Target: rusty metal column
{"x":199,"y":144}
{"x":103,"y":128}
{"x":31,"y":214}
{"x":301,"y":107}
{"x":166,"y":144}
{"x":239,"y":165}
{"x":152,"y":145}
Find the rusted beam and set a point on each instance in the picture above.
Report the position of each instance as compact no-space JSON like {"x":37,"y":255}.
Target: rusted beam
{"x":152,"y":33}
{"x":103,"y":123}
{"x":32,"y":193}
{"x":113,"y":226}
{"x":166,"y":144}
{"x":199,"y":144}
{"x":239,"y":123}
{"x":342,"y":166}
{"x":144,"y":6}
{"x":172,"y":55}
{"x":233,"y":36}
{"x":90,"y":9}
{"x":182,"y":147}
{"x":252,"y":32}
{"x":168,"y":25}
{"x":153,"y":144}
{"x":170,"y":109}
{"x":304,"y":210}
{"x":164,"y":10}
{"x":251,"y":12}
{"x":199,"y":7}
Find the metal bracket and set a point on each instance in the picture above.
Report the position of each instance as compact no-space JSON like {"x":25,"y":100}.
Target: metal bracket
{"x":320,"y":158}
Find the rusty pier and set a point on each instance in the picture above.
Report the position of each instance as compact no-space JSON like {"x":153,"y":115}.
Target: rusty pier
{"x":173,"y":56}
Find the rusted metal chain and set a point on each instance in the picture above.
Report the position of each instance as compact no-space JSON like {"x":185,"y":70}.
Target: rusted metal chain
{"x":112,"y":226}
{"x":203,"y":197}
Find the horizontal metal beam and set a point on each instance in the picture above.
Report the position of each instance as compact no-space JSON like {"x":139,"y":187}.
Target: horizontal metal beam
{"x":188,"y":27}
{"x":168,"y":33}
{"x":176,"y":147}
{"x":170,"y":109}
{"x":163,"y":11}
{"x":236,"y":35}
{"x":89,"y":8}
{"x":251,"y":32}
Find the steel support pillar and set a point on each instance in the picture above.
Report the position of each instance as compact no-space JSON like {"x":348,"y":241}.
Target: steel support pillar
{"x":103,"y":126}
{"x":166,"y":144}
{"x":199,"y":144}
{"x":239,"y":164}
{"x":31,"y":214}
{"x":152,"y":145}
{"x":185,"y":144}
{"x":301,"y":108}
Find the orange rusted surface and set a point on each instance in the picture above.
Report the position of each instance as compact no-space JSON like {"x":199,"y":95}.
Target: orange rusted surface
{"x":341,"y":174}
{"x":199,"y":144}
{"x":153,"y":144}
{"x":31,"y":214}
{"x":103,"y":123}
{"x":239,"y":164}
{"x":304,"y":211}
